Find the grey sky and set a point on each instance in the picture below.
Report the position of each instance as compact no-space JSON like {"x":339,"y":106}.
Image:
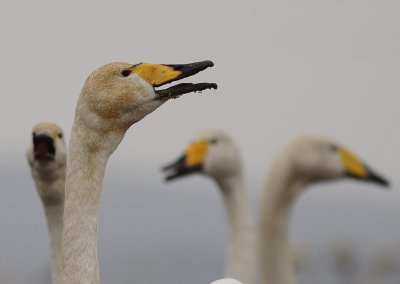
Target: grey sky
{"x":283,"y":68}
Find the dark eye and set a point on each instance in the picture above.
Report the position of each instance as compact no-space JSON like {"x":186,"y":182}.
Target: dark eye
{"x":126,"y":72}
{"x":60,"y":135}
{"x":214,"y":141}
{"x":333,"y":147}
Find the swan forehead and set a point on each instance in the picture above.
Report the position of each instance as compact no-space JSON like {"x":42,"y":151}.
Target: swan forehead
{"x":311,"y":140}
{"x":103,"y":72}
{"x":51,"y":129}
{"x":212,"y":134}
{"x":104,"y":77}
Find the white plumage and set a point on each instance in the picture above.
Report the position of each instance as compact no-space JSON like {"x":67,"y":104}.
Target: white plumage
{"x":306,"y":160}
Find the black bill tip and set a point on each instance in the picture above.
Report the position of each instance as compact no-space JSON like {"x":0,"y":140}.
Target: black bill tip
{"x":375,"y":178}
{"x":183,"y":71}
{"x":43,"y":147}
{"x":184,"y":88}
{"x":190,"y":69}
{"x":179,"y":169}
{"x":187,"y":70}
{"x":372,"y":177}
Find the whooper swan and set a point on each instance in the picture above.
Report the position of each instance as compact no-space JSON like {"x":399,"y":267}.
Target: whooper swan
{"x":47,"y":158}
{"x":215,"y":154}
{"x":306,"y":160}
{"x":113,"y":98}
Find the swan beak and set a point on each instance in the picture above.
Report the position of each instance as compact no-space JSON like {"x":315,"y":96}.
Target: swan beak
{"x":191,"y":161}
{"x":356,"y":169}
{"x":43,"y":147}
{"x":160,"y":74}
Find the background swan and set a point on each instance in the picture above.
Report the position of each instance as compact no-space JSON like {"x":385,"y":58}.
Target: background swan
{"x":113,"y":98}
{"x":306,"y":160}
{"x":47,"y":158}
{"x":215,"y":154}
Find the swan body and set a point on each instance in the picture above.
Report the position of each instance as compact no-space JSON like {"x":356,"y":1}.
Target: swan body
{"x":47,"y":158}
{"x":113,"y":98}
{"x":226,"y":281}
{"x":215,"y":154}
{"x":306,"y":160}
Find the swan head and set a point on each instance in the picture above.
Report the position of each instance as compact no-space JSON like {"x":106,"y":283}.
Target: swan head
{"x":47,"y":151}
{"x":118,"y":94}
{"x":315,"y":158}
{"x":213,"y":153}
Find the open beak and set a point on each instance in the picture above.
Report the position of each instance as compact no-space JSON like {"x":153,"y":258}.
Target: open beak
{"x":354,"y":168}
{"x":158,"y":75}
{"x":191,"y":161}
{"x":43,"y":147}
{"x":179,"y":169}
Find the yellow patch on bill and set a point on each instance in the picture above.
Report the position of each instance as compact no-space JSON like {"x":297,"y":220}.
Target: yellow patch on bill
{"x":155,"y":74}
{"x":352,"y":164}
{"x":196,"y":153}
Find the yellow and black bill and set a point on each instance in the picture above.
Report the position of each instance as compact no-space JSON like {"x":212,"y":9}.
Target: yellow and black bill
{"x":354,"y":168}
{"x":160,"y":74}
{"x":43,"y":147}
{"x":179,"y":168}
{"x":191,"y":161}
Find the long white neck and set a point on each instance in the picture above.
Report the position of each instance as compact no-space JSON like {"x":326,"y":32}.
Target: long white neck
{"x":88,"y":156}
{"x":275,"y":257}
{"x":241,"y":259}
{"x":51,"y":191}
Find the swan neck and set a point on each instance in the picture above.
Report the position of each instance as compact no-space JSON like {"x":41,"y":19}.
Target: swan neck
{"x":86,"y":165}
{"x":54,"y":217}
{"x":50,"y":188}
{"x":276,"y":262}
{"x":241,"y":249}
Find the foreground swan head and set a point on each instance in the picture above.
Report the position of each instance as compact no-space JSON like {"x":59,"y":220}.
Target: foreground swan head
{"x":114,"y":97}
{"x":314,"y":158}
{"x":213,"y":153}
{"x":47,"y":151}
{"x":117,"y":95}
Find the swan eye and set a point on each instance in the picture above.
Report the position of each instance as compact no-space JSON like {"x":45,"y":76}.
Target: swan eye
{"x":126,"y":72}
{"x":60,"y":135}
{"x":333,"y":148}
{"x":214,"y":141}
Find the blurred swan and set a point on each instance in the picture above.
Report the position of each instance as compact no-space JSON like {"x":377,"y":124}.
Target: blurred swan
{"x":113,"y":98}
{"x":306,"y":160}
{"x":47,"y":158}
{"x":216,"y":155}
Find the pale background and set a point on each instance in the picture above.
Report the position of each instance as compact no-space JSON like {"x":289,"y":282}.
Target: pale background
{"x":283,"y":68}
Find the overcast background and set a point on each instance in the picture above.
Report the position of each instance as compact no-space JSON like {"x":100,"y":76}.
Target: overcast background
{"x":282,"y":67}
